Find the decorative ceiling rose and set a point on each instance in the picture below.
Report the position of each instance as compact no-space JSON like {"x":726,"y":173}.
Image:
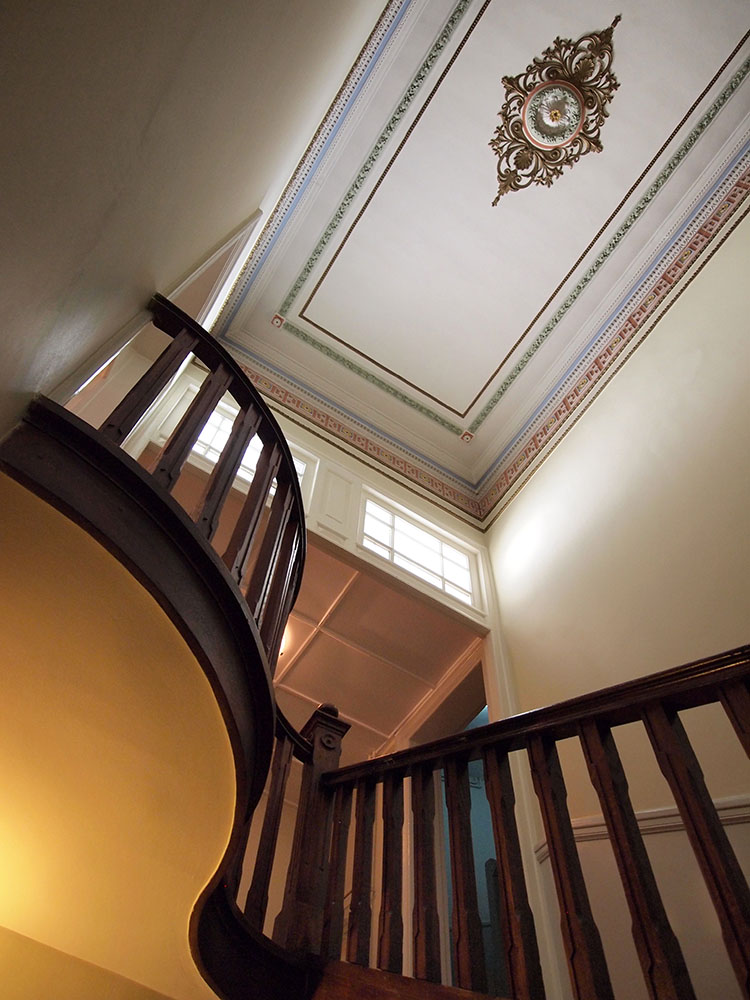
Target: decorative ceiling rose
{"x":553,"y":113}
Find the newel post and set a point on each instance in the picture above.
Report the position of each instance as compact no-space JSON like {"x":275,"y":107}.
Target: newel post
{"x":299,"y":925}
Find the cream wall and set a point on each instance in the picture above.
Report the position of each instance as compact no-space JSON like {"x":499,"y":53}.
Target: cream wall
{"x":136,"y":138}
{"x":628,"y":552}
{"x":32,"y":970}
{"x":118,"y":777}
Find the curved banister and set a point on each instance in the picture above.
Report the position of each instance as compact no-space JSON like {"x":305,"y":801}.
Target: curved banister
{"x":230,"y":605}
{"x":274,"y":550}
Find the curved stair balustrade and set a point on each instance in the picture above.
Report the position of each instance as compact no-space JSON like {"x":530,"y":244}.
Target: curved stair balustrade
{"x":231,"y":606}
{"x":265,"y":555}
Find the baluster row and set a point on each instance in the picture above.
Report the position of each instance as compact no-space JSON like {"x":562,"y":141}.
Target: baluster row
{"x":341,"y":801}
{"x":266,"y":546}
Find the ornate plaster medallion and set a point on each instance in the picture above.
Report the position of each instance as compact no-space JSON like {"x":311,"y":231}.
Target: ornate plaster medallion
{"x":553,"y":113}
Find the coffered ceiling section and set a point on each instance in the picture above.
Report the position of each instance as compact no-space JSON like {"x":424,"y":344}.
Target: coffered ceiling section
{"x":390,"y":303}
{"x":378,"y":651}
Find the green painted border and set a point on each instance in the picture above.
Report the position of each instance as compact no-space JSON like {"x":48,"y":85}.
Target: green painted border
{"x":368,"y":376}
{"x":652,"y":191}
{"x":403,"y":106}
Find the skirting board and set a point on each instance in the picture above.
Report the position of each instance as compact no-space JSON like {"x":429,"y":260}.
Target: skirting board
{"x":732,"y":810}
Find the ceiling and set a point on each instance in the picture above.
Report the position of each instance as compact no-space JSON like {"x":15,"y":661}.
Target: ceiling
{"x":388,"y":304}
{"x":387,"y":657}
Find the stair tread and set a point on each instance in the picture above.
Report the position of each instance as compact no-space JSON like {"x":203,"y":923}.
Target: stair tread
{"x":344,"y":981}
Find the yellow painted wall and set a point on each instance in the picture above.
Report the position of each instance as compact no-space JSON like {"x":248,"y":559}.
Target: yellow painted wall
{"x":117,"y":773}
{"x":31,"y":970}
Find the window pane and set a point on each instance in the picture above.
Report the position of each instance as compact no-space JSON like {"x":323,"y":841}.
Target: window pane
{"x":460,"y":558}
{"x":461,"y":577}
{"x":419,"y":571}
{"x":380,"y":549}
{"x":418,"y":534}
{"x":418,"y":553}
{"x":376,"y":529}
{"x":460,"y":594}
{"x":380,"y":512}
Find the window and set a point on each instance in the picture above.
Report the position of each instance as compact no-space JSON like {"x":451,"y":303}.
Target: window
{"x":215,"y":435}
{"x":419,"y":551}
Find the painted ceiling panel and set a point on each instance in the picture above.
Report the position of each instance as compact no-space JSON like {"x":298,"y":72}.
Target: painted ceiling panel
{"x":390,"y":304}
{"x":324,"y":580}
{"x":330,"y":670}
{"x":419,"y":638}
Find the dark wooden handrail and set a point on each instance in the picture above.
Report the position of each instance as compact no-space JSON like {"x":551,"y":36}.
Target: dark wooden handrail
{"x":697,"y":683}
{"x":265,"y":555}
{"x":346,"y":796}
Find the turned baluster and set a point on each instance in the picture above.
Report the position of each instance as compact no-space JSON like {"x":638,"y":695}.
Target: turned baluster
{"x":167,"y":465}
{"x":240,"y":545}
{"x":722,"y":873}
{"x":290,"y":592}
{"x":468,"y":949}
{"x":257,"y":897}
{"x":269,"y":617}
{"x":521,"y":948}
{"x":586,"y":963}
{"x":208,"y":509}
{"x":129,"y":411}
{"x":425,"y":924}
{"x":333,"y":918}
{"x":360,"y":912}
{"x":659,"y":953}
{"x":257,"y":588}
{"x":391,"y":927}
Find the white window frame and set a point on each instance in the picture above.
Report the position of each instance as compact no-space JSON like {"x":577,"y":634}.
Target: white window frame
{"x":175,"y":405}
{"x":475,"y":599}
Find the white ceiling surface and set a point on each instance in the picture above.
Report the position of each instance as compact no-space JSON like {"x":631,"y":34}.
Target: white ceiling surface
{"x":375,"y":651}
{"x":432,"y":287}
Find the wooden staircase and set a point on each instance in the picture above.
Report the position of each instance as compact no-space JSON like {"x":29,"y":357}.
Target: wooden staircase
{"x":334,"y":908}
{"x":231,"y":607}
{"x":343,"y":981}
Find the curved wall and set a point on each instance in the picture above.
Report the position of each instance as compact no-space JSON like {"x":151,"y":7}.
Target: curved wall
{"x":117,"y":771}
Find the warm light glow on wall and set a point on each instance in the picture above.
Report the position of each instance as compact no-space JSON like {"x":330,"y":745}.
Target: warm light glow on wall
{"x":520,"y":550}
{"x":285,"y":639}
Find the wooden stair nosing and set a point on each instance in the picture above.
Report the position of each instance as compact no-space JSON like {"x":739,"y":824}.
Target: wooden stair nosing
{"x":345,"y":981}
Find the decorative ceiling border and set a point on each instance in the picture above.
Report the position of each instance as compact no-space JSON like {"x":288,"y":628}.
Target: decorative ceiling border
{"x":403,"y":106}
{"x":312,"y":157}
{"x":601,"y":258}
{"x":656,"y":289}
{"x":674,"y":161}
{"x":369,"y":376}
{"x":639,"y":315}
{"x":439,"y":482}
{"x":316,"y":150}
